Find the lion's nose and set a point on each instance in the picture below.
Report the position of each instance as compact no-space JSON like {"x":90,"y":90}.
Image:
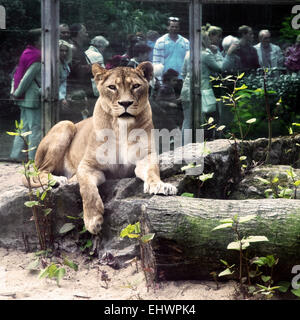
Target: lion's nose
{"x":125,"y":104}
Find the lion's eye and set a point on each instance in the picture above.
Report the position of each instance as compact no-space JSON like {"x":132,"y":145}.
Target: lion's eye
{"x":135,"y":86}
{"x":112,"y":87}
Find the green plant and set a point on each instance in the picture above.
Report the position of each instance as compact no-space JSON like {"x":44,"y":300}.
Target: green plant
{"x":50,"y":269}
{"x":85,"y":239}
{"x":240,"y":244}
{"x":56,"y":271}
{"x":134,"y":232}
{"x":39,"y":199}
{"x":276,"y":190}
{"x":200,"y":179}
{"x":267,"y":288}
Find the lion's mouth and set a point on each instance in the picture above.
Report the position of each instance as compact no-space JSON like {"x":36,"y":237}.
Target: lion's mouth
{"x":126,"y":115}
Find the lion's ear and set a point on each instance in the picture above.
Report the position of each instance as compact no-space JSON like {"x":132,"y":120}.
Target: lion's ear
{"x":97,"y":71}
{"x":147,"y":69}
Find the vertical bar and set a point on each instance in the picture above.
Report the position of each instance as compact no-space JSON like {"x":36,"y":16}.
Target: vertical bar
{"x":2,"y":17}
{"x":50,"y":60}
{"x":195,"y":22}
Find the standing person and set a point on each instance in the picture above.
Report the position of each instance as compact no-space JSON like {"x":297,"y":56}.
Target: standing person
{"x":185,"y":97}
{"x":94,"y":54}
{"x":215,"y":37}
{"x":64,"y":32}
{"x":246,"y":51}
{"x":26,"y":91}
{"x":140,"y":53}
{"x":152,"y":36}
{"x":171,"y":48}
{"x":79,"y":88}
{"x":210,"y":66}
{"x":80,"y":69}
{"x":269,"y":55}
{"x":65,"y":58}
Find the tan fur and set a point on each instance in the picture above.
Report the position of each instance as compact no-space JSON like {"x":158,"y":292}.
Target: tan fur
{"x":72,"y":150}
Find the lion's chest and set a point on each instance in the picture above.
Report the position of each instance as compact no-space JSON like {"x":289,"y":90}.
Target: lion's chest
{"x":118,"y":171}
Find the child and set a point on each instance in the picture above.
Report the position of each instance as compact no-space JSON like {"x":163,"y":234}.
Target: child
{"x":168,"y":101}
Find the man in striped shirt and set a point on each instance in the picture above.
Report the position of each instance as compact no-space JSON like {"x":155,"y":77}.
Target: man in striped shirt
{"x":170,"y":49}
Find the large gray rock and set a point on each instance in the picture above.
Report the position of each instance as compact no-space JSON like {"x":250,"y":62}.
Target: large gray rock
{"x":123,"y":198}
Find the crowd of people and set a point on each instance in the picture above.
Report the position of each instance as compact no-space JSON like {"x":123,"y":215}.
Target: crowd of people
{"x":170,"y":87}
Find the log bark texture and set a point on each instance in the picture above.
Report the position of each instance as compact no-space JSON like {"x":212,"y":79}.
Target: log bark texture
{"x":185,"y":247}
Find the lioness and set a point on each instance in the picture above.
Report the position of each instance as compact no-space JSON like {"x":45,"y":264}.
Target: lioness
{"x":101,"y":146}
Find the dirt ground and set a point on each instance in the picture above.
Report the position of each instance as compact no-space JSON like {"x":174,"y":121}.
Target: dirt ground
{"x":17,"y":282}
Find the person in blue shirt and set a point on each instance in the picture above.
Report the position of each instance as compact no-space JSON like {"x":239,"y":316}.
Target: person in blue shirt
{"x":171,"y":48}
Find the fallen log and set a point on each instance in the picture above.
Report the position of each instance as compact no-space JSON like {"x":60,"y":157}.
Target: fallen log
{"x":185,"y":247}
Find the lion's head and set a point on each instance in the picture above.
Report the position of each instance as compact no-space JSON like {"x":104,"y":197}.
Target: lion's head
{"x":123,"y":91}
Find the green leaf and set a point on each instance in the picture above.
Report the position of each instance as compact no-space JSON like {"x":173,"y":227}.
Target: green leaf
{"x":242,"y":158}
{"x":240,"y":76}
{"x":47,"y":211}
{"x":132,"y":235}
{"x":252,"y":120}
{"x":228,"y":220}
{"x":297,"y":183}
{"x":241,"y":88}
{"x":147,"y":237}
{"x":33,"y":265}
{"x":131,"y":231}
{"x":265,"y":278}
{"x":43,"y":273}
{"x":210,"y":120}
{"x":71,"y":264}
{"x":221,"y":128}
{"x":275,"y":180}
{"x":223,"y":226}
{"x":187,"y":194}
{"x":25,"y":134}
{"x":247,"y":218}
{"x":264,"y":181}
{"x":226,"y":272}
{"x":212,"y":127}
{"x":59,"y":274}
{"x":225,"y":262}
{"x":189,"y":166}
{"x":52,"y":269}
{"x":283,"y":286}
{"x":296,"y":292}
{"x":256,"y":239}
{"x":260,"y":261}
{"x":236,"y":245}
{"x":43,"y":196}
{"x":66,"y":228}
{"x":291,"y":173}
{"x":206,"y":176}
{"x":31,"y":204}
{"x":73,"y":218}
{"x":12,"y":133}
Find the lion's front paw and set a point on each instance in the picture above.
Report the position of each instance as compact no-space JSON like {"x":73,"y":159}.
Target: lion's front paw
{"x":160,"y":188}
{"x":60,"y":180}
{"x":93,"y":224}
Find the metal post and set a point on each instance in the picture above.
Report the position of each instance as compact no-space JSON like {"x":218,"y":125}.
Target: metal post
{"x":50,"y":62}
{"x":196,"y":47}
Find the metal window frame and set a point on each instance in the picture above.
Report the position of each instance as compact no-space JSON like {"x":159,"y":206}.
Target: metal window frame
{"x":50,"y":63}
{"x":50,"y":53}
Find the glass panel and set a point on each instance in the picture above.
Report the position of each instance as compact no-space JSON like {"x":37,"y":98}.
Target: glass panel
{"x":124,"y":33}
{"x":20,"y":71}
{"x":258,"y":42}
